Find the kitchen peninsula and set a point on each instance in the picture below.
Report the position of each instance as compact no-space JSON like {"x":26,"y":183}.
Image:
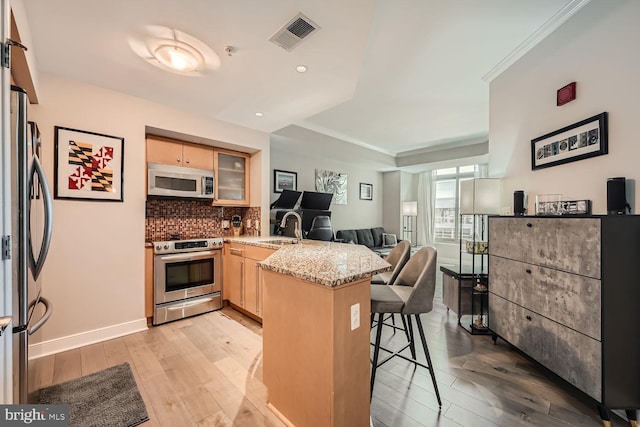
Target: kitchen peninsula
{"x":316,"y":332}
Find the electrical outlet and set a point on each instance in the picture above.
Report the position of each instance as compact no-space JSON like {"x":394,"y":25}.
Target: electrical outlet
{"x":355,"y":316}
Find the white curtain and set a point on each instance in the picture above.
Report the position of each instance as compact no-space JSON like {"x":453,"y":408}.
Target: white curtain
{"x":482,"y":171}
{"x":426,"y":208}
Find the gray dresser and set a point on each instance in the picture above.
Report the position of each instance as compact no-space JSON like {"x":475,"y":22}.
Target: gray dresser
{"x":566,"y":291}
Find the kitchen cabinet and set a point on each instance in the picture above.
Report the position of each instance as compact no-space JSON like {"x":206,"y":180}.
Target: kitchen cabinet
{"x":177,"y":153}
{"x":242,"y":284}
{"x":232,"y":178}
{"x":563,"y":290}
{"x":148,"y":282}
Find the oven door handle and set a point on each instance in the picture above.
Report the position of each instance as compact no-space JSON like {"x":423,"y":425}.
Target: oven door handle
{"x":189,"y":256}
{"x":189,"y":304}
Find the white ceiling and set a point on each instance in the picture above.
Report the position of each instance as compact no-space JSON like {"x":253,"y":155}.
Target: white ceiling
{"x":390,"y":75}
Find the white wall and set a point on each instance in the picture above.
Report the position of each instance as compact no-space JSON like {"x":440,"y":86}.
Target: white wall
{"x":356,"y":213}
{"x":94,"y":275}
{"x":595,"y":49}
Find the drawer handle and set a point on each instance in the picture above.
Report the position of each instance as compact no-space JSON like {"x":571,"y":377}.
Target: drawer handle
{"x":528,"y":270}
{"x":529,"y":225}
{"x":529,"y":318}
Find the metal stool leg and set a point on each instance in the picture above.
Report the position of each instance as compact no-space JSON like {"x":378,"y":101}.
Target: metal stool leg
{"x":426,"y":353}
{"x":406,"y":328}
{"x":376,"y":351}
{"x":412,"y":343}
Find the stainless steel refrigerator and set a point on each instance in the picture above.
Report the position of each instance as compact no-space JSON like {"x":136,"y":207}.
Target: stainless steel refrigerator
{"x":31,"y":226}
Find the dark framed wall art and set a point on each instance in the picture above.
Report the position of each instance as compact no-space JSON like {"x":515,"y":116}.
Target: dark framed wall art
{"x":581,"y":140}
{"x":88,"y":166}
{"x":366,"y":191}
{"x":284,"y":180}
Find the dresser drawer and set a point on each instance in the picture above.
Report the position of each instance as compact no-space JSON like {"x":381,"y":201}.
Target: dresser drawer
{"x":573,"y":356}
{"x":569,"y":299}
{"x":568,"y":244}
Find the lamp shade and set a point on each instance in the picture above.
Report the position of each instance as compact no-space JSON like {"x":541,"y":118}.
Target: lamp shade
{"x":410,"y":208}
{"x":480,"y":196}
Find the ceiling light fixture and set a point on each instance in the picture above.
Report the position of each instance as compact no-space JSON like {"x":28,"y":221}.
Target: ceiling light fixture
{"x":259,"y":114}
{"x":301,"y":68}
{"x":174,"y":51}
{"x":179,"y":56}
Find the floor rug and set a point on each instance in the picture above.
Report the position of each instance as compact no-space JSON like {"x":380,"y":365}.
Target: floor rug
{"x":106,"y":398}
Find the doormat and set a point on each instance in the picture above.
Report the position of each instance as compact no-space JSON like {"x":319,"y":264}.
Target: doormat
{"x":108,"y":398}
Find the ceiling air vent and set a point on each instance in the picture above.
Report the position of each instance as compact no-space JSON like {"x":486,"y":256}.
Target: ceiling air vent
{"x":294,"y":32}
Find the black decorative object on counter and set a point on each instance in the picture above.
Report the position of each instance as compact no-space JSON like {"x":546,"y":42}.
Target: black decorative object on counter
{"x":616,"y":196}
{"x":519,"y":204}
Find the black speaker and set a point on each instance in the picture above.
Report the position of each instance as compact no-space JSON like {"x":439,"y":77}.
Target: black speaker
{"x":519,"y":208}
{"x":616,"y":198}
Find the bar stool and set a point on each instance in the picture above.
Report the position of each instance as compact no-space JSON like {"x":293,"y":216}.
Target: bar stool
{"x":398,"y":257}
{"x":412,"y":295}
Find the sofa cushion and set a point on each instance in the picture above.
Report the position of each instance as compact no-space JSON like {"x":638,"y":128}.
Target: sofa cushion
{"x":347,"y":236}
{"x":365,"y":237}
{"x":377,"y":236}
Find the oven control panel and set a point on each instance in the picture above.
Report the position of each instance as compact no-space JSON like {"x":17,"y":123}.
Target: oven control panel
{"x":177,"y":246}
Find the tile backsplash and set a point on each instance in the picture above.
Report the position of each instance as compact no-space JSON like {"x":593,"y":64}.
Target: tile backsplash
{"x":192,"y":219}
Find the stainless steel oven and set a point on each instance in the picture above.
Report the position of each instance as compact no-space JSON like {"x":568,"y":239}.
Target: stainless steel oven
{"x":187,"y":278}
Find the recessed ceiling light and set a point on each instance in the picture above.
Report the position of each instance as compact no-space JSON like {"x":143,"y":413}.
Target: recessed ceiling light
{"x":259,"y":114}
{"x":301,"y":68}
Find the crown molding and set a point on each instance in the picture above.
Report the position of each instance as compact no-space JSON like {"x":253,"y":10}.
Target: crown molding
{"x":540,"y":34}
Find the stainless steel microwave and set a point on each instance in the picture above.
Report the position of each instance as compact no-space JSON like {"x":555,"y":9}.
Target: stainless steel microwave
{"x":177,"y":181}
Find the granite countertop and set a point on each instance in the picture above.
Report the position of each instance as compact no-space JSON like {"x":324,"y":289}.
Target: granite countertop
{"x":326,"y":263}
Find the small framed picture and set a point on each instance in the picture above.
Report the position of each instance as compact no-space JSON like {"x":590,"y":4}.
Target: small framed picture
{"x":284,"y":180}
{"x":366,"y":191}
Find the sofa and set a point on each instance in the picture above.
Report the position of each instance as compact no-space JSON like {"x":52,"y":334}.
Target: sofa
{"x":369,"y":237}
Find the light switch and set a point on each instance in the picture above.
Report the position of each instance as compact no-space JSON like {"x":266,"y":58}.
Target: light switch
{"x":355,"y":316}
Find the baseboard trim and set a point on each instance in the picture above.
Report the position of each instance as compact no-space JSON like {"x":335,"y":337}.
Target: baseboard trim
{"x":70,"y":342}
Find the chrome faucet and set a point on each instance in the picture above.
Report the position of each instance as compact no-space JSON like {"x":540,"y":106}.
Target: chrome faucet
{"x":298,"y":227}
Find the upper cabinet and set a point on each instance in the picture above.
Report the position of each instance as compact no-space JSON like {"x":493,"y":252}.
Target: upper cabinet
{"x":177,"y":153}
{"x":232,"y":178}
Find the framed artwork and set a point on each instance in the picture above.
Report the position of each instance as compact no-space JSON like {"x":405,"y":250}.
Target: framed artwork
{"x":88,"y":166}
{"x":587,"y":138}
{"x":334,"y":183}
{"x":366,"y":191}
{"x":284,"y":180}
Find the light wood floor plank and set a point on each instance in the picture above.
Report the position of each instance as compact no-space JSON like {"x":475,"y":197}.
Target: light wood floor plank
{"x":67,"y":366}
{"x":93,"y":359}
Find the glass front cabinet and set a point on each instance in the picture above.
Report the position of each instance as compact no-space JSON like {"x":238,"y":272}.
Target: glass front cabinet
{"x":232,"y":178}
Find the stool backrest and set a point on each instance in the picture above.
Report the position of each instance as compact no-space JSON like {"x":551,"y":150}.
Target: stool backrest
{"x":398,"y":257}
{"x":420,"y":274}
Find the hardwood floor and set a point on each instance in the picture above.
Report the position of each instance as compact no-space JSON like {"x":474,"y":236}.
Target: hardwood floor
{"x":207,"y":370}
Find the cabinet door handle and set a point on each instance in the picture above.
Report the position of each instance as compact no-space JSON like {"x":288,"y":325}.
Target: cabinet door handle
{"x":528,"y":270}
{"x":257,"y":289}
{"x":187,"y":161}
{"x":529,"y":318}
{"x":529,"y":225}
{"x":178,"y":160}
{"x":242,"y":284}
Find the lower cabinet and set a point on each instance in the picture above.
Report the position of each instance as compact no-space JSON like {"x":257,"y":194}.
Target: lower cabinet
{"x":565,"y":292}
{"x":242,"y":284}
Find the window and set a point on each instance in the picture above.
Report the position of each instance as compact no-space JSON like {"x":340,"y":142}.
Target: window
{"x":447,"y":227}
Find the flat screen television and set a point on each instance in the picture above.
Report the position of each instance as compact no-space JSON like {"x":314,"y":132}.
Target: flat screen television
{"x":315,"y":200}
{"x":287,"y":200}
